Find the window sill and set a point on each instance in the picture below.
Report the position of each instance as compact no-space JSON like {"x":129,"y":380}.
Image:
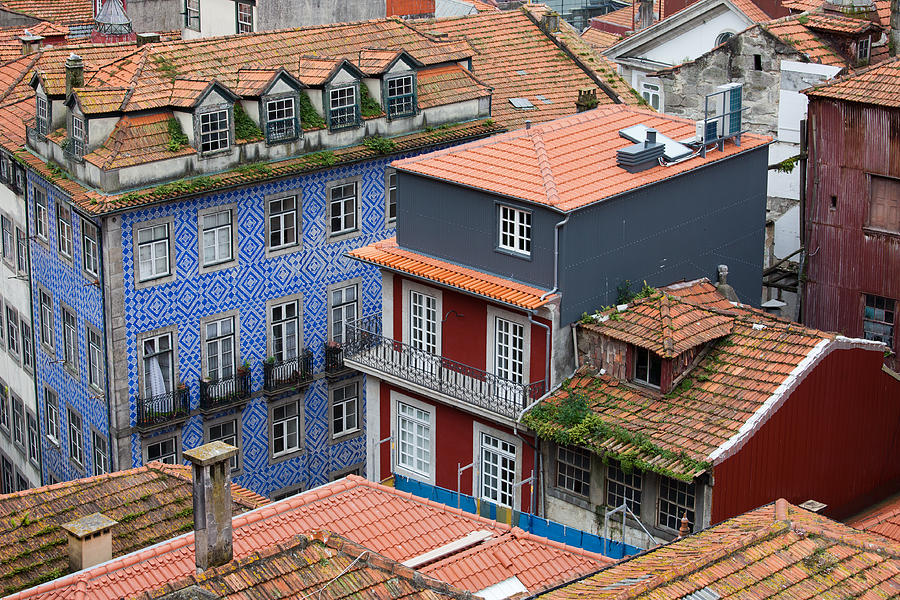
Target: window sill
{"x":282,"y":250}
{"x":570,"y":497}
{"x":274,"y":460}
{"x":346,"y":436}
{"x":147,"y":283}
{"x":514,"y":254}
{"x":343,"y":236}
{"x":53,"y":441}
{"x":221,"y":266}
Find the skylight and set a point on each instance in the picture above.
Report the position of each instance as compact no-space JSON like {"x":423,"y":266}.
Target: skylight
{"x":522,"y":103}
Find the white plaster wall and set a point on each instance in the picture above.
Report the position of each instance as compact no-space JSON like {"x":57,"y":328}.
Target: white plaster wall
{"x":98,"y":130}
{"x":217,"y":17}
{"x":697,"y":38}
{"x":796,"y":76}
{"x":787,"y":233}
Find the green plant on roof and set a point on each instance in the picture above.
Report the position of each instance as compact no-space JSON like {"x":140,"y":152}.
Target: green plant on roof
{"x":309,"y":118}
{"x":326,"y":158}
{"x":56,"y":170}
{"x":803,"y":19}
{"x":787,"y":165}
{"x":379,"y":144}
{"x":368,"y":106}
{"x":165,"y":65}
{"x":257,"y":168}
{"x":177,"y":138}
{"x":244,"y":127}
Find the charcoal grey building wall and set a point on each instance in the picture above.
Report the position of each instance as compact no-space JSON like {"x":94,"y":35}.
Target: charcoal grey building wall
{"x":278,"y":14}
{"x":679,"y":228}
{"x":461,"y":225}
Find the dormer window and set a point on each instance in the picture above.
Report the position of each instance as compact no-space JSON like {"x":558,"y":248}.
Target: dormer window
{"x":281,"y":119}
{"x":342,"y":107}
{"x":78,"y":138}
{"x":647,"y":367}
{"x":401,"y":96}
{"x":215,"y":130}
{"x":863,"y":49}
{"x":42,"y":120}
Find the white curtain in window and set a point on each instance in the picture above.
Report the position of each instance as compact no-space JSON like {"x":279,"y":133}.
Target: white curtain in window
{"x":156,"y":381}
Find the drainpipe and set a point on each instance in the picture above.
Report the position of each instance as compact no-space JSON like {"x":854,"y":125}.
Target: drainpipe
{"x":555,"y":289}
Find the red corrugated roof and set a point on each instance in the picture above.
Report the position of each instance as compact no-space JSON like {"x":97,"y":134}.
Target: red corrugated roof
{"x":396,"y":524}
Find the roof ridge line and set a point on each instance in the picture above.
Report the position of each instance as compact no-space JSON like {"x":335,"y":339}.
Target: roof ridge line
{"x":665,"y":323}
{"x":549,"y":182}
{"x":21,"y":75}
{"x":891,"y":549}
{"x":680,"y":572}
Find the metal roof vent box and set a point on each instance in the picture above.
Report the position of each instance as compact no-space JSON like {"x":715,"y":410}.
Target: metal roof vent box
{"x":641,"y":156}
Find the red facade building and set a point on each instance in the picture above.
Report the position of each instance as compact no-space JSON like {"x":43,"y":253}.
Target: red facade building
{"x":852,"y":214}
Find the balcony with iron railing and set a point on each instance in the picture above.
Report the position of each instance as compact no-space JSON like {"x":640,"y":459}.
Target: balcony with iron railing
{"x":280,"y":375}
{"x":161,"y":409}
{"x":369,"y":351}
{"x":220,"y":393}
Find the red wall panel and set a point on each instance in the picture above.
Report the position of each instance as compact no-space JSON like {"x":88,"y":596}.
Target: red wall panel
{"x":835,"y":440}
{"x":403,"y":8}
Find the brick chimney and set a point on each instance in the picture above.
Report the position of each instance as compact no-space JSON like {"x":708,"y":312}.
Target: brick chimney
{"x":212,"y":503}
{"x":30,"y":42}
{"x":587,"y":99}
{"x":90,"y":541}
{"x":74,"y":73}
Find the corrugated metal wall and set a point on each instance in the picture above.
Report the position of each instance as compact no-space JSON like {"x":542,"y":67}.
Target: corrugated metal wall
{"x":835,"y":440}
{"x":848,"y":142}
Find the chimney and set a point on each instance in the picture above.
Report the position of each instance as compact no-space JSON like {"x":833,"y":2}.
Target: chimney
{"x":90,"y":541}
{"x":773,"y":306}
{"x":641,"y":156}
{"x":894,"y":32}
{"x":645,"y":14}
{"x":550,"y":23}
{"x":74,"y":73}
{"x":587,"y":99}
{"x":30,"y":42}
{"x":722,"y":284}
{"x":212,"y":503}
{"x":147,"y":38}
{"x":685,"y":528}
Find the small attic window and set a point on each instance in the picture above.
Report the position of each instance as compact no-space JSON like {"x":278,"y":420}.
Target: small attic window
{"x":647,"y":367}
{"x":401,"y":96}
{"x":521,"y":103}
{"x":862,"y":49}
{"x":42,"y":116}
{"x":343,"y":106}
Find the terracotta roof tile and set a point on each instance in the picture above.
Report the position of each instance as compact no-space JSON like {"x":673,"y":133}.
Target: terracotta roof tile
{"x":389,"y":255}
{"x":66,"y":12}
{"x":252,"y":82}
{"x":380,"y":518}
{"x":753,"y":12}
{"x":749,"y":355}
{"x":879,"y":85}
{"x":792,"y":32}
{"x":883,"y":519}
{"x":100,"y":99}
{"x":600,"y":39}
{"x":321,"y":564}
{"x":151,"y":503}
{"x":47,"y":29}
{"x":375,"y":60}
{"x":565,"y":150}
{"x":441,"y":85}
{"x":776,"y":551}
{"x":623,"y":17}
{"x":483,"y":6}
{"x":839,"y":24}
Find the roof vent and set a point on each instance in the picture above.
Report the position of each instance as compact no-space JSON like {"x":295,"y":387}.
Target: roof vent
{"x":642,"y":156}
{"x":90,"y":541}
{"x":813,"y":505}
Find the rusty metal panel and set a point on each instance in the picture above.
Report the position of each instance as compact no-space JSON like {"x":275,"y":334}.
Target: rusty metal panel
{"x":834,"y":440}
{"x":849,"y":142}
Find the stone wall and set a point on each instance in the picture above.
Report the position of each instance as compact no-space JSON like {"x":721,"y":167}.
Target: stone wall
{"x":686,"y":86}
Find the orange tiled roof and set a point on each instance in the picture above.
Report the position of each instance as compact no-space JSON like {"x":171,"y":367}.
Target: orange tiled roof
{"x":600,"y":39}
{"x":321,"y":564}
{"x":47,"y":29}
{"x":516,"y":59}
{"x":452,"y":83}
{"x":839,"y":24}
{"x":547,"y":163}
{"x":100,"y":100}
{"x":151,"y":504}
{"x":749,"y":8}
{"x":404,"y":8}
{"x":623,"y":17}
{"x":396,"y":524}
{"x":252,"y":82}
{"x":65,"y":12}
{"x":883,"y":519}
{"x":879,"y":85}
{"x":733,"y":388}
{"x":389,"y":255}
{"x":136,"y":140}
{"x":792,"y":32}
{"x":776,"y":551}
{"x":666,"y":325}
{"x":483,"y":6}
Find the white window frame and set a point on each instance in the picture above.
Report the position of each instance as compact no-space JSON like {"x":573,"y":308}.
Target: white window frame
{"x":390,"y":196}
{"x":99,"y":452}
{"x":410,"y":288}
{"x":94,"y":358}
{"x":31,"y":426}
{"x":21,"y":252}
{"x":70,"y":337}
{"x":76,"y":438}
{"x":494,"y":313}
{"x":175,"y":454}
{"x":158,"y":244}
{"x":79,"y":137}
{"x":348,"y":406}
{"x":652,"y":93}
{"x":217,"y":231}
{"x":64,"y":230}
{"x":423,"y":321}
{"x":282,"y":124}
{"x":90,"y":249}
{"x":244,"y":24}
{"x":146,"y":380}
{"x":628,"y":486}
{"x":340,"y":213}
{"x":42,"y":114}
{"x":638,"y":351}
{"x":46,"y":315}
{"x":42,"y":213}
{"x":478,"y":476}
{"x":339,"y":313}
{"x":192,"y":14}
{"x":220,"y":343}
{"x":280,"y":322}
{"x":414,"y":424}
{"x":27,"y":349}
{"x":51,"y":414}
{"x":663,"y":504}
{"x":279,"y":428}
{"x":509,"y":350}
{"x":19,"y":432}
{"x":214,"y":131}
{"x":12,"y":331}
{"x":345,"y":106}
{"x":8,"y":241}
{"x":282,"y":221}
{"x":515,"y":230}
{"x":5,"y":408}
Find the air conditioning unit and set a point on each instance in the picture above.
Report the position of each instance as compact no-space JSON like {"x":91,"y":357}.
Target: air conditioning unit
{"x":730,"y":104}
{"x":708,"y":131}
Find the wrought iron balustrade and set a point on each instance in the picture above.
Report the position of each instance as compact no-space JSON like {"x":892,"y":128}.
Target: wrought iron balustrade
{"x":289,"y":372}
{"x":224,"y":391}
{"x":334,"y":358}
{"x":366,"y":346}
{"x":282,"y":130}
{"x":162,"y":408}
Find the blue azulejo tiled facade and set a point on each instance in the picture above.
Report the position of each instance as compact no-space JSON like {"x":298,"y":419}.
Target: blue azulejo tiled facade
{"x":183,"y":304}
{"x":68,"y":317}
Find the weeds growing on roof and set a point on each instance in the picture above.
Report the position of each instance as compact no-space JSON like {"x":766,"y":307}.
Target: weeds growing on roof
{"x":379,"y":144}
{"x":368,"y":106}
{"x":177,"y":138}
{"x":244,"y":127}
{"x":309,"y":118}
